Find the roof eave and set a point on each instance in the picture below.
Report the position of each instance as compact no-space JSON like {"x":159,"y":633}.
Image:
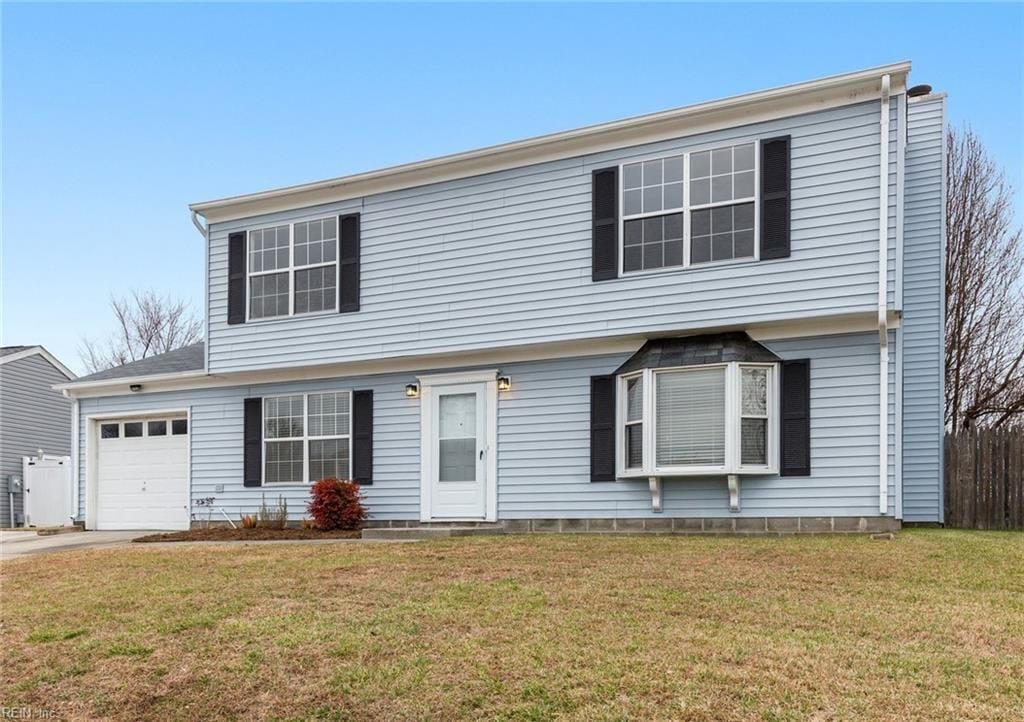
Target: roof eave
{"x":73,"y":386}
{"x":827,"y":92}
{"x":41,"y":351}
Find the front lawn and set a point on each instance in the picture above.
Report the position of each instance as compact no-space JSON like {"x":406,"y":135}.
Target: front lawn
{"x":928,"y":626}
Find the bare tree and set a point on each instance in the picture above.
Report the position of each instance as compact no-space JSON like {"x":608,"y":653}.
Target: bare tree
{"x":984,"y":301}
{"x":147,"y":324}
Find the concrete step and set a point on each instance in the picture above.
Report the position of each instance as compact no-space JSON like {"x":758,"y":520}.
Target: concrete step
{"x":430,"y":532}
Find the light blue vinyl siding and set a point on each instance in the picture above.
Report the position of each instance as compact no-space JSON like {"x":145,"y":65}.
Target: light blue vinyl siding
{"x":503,"y":259}
{"x":216,"y":443}
{"x":543,"y":466}
{"x":923,"y":288}
{"x":543,"y":443}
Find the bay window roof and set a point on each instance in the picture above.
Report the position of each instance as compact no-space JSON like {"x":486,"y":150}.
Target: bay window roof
{"x":712,"y":348}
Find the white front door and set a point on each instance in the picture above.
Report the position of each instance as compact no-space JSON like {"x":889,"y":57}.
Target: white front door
{"x":458,"y":451}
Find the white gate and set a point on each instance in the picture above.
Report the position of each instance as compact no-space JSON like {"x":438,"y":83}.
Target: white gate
{"x":47,"y":490}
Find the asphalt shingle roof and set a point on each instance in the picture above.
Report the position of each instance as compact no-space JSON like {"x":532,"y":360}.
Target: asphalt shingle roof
{"x":187,"y":358}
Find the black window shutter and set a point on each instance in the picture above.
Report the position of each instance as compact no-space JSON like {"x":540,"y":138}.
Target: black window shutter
{"x":795,"y":439}
{"x":253,"y":441}
{"x":362,"y":437}
{"x":236,"y":277}
{"x":605,"y":231}
{"x":602,"y":428}
{"x":348,"y":262}
{"x":775,"y":197}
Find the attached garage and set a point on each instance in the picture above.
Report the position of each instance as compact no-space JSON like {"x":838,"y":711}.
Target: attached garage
{"x":141,"y":473}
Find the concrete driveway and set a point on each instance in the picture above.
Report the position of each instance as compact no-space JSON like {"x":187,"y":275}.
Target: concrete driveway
{"x":15,"y":544}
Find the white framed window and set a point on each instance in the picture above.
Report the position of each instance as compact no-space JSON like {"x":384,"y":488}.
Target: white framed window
{"x":698,"y":420}
{"x":689,"y":209}
{"x":293,"y":269}
{"x":633,"y":424}
{"x":307,"y":437}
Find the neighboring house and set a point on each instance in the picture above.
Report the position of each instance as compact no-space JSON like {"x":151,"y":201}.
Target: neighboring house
{"x":33,"y":416}
{"x":723,"y":316}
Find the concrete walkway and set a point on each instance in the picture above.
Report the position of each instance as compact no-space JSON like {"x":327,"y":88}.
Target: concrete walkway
{"x":15,"y":544}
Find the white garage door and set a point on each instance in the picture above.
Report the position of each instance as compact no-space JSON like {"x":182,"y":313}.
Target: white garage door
{"x":142,"y":474}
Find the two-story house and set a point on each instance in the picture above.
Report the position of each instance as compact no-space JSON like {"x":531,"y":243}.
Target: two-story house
{"x":724,"y":316}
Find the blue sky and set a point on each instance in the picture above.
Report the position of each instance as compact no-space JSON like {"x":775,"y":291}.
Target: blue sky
{"x":115,"y":117}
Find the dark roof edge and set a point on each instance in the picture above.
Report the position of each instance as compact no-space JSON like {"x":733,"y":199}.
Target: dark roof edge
{"x":698,"y":350}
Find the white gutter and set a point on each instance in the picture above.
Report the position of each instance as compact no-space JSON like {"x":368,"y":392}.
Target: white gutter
{"x":69,"y":388}
{"x":883,"y":321}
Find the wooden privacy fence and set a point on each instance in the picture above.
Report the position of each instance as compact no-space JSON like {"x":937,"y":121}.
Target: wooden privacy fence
{"x":985,"y":479}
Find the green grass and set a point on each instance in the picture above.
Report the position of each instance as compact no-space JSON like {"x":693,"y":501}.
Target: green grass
{"x":928,"y":626}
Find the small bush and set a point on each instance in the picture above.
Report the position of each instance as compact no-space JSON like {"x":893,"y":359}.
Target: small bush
{"x":248,"y":521}
{"x":272,"y":517}
{"x":336,"y":504}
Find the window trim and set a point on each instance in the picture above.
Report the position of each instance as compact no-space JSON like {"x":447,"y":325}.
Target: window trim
{"x":687,"y":209}
{"x":622,"y":411}
{"x":305,"y":438}
{"x":146,"y":419}
{"x":291,"y":269}
{"x":733,"y":423}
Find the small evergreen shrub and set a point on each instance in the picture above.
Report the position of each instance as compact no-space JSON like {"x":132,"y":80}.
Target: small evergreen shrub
{"x":336,"y":504}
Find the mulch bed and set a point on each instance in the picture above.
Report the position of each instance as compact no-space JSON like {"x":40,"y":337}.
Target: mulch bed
{"x":221,"y":534}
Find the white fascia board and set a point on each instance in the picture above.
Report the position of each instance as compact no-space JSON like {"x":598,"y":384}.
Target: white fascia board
{"x":787,"y":100}
{"x":487,"y":358}
{"x":34,"y":350}
{"x":71,"y":388}
{"x":459,"y":377}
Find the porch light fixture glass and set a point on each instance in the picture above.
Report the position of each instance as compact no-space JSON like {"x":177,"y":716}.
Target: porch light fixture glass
{"x":504,"y":383}
{"x":412,"y":391}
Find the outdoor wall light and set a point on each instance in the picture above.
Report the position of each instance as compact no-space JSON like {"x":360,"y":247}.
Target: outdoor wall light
{"x":412,"y":391}
{"x":504,"y":383}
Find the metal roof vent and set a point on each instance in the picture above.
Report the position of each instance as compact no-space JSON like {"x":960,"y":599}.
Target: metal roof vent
{"x":919,"y":90}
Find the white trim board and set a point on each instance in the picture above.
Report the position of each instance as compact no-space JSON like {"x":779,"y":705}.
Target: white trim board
{"x":798,"y":328}
{"x":34,"y":350}
{"x":794,"y":99}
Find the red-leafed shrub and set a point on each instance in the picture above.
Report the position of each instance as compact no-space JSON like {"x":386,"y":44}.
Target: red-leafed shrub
{"x":336,"y":504}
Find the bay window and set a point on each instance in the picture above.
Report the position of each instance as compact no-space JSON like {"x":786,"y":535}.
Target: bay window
{"x":705,"y":419}
{"x":306,"y":437}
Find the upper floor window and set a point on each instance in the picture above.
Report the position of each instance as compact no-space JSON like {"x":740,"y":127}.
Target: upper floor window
{"x":293,"y":268}
{"x":681,"y":210}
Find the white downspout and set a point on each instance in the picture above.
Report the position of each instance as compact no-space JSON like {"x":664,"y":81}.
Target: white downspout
{"x":204,"y":231}
{"x":883,"y":323}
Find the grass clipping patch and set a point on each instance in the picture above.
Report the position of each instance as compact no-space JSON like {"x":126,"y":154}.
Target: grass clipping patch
{"x":257,"y":534}
{"x":929,"y":626}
